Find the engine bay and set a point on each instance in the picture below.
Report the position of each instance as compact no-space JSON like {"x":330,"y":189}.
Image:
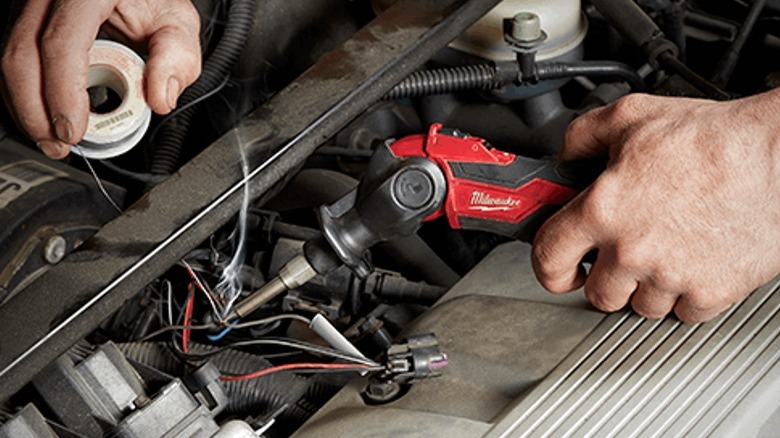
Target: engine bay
{"x":270,"y":259}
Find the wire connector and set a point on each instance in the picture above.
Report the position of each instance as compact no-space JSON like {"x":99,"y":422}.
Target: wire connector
{"x":417,"y":358}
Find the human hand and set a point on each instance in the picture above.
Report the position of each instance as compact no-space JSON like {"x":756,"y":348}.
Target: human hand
{"x":45,"y":61}
{"x":686,"y":215}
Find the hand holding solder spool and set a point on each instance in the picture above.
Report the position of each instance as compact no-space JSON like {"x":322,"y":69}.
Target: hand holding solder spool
{"x":423,"y":177}
{"x":46,"y":61}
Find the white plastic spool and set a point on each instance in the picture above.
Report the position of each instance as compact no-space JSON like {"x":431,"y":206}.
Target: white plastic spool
{"x":108,"y":135}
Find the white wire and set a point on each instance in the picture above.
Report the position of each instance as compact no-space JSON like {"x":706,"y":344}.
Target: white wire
{"x":269,"y":320}
{"x":305,"y":346}
{"x":97,"y":180}
{"x":170,"y":302}
{"x":206,"y":291}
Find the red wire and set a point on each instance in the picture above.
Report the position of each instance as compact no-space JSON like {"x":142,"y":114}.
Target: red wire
{"x":197,"y":282}
{"x":293,"y":366}
{"x":188,"y":310}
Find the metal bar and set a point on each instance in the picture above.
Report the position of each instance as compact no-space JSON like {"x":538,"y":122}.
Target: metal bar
{"x":71,"y":299}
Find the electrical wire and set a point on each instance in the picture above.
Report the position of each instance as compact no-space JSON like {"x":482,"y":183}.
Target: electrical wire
{"x":212,"y":326}
{"x":174,"y":328}
{"x":170,"y":301}
{"x":305,"y":346}
{"x":259,"y":322}
{"x":215,"y":307}
{"x":97,"y":180}
{"x":188,"y":310}
{"x":342,"y":367}
{"x":182,"y":108}
{"x":146,"y":178}
{"x":290,"y":343}
{"x":271,"y":319}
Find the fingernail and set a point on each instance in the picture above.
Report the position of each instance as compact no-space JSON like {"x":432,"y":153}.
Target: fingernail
{"x":63,"y":128}
{"x":52,"y":149}
{"x":173,"y":91}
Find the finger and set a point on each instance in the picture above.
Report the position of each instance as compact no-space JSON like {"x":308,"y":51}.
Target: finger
{"x":558,"y":249}
{"x":653,"y":302}
{"x":53,"y":149}
{"x":65,"y":44}
{"x":174,"y":64}
{"x":584,"y":137}
{"x":174,"y":55}
{"x":608,"y":287}
{"x":692,"y":309}
{"x":596,"y":131}
{"x":22,"y":72}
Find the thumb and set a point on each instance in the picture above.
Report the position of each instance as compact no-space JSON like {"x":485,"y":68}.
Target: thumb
{"x":594,"y":132}
{"x":174,"y":60}
{"x":585,"y":137}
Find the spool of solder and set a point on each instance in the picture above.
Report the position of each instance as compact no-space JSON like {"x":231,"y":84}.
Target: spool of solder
{"x":119,"y":115}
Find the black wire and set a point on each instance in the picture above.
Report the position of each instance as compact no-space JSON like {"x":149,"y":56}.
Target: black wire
{"x":291,"y":343}
{"x":185,"y":107}
{"x":708,"y":88}
{"x":356,"y":369}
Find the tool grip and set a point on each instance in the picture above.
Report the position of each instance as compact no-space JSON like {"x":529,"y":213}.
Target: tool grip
{"x":513,"y":199}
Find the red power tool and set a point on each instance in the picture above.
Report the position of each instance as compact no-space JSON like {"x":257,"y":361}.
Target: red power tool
{"x":423,"y":177}
{"x":491,"y":190}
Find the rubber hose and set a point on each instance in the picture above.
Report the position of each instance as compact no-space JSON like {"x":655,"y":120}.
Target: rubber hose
{"x":674,"y":20}
{"x":708,"y":88}
{"x":637,"y":27}
{"x":399,"y":289}
{"x":629,"y":20}
{"x":245,"y":397}
{"x":726,"y":66}
{"x":560,"y":70}
{"x":446,"y":80}
{"x":240,"y":20}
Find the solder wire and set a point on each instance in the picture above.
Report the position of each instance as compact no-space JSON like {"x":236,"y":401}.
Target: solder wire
{"x":97,"y":180}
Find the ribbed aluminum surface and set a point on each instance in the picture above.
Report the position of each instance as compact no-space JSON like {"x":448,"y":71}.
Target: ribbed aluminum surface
{"x":638,"y":378}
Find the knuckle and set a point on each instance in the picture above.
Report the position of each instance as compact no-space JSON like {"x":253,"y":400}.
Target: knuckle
{"x":628,"y":107}
{"x":648,"y":311}
{"x":687,"y":315}
{"x":668,"y":278}
{"x":190,"y":17}
{"x":698,"y":306}
{"x":544,"y":261}
{"x":630,"y":256}
{"x":575,"y":127}
{"x":601,"y":300}
{"x":13,"y":57}
{"x":597,"y":204}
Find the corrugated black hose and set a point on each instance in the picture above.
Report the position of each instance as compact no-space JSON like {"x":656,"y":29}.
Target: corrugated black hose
{"x":240,"y":19}
{"x":448,"y":80}
{"x":494,"y":76}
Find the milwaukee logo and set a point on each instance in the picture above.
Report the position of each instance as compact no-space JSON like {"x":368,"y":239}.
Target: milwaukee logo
{"x":485,"y":202}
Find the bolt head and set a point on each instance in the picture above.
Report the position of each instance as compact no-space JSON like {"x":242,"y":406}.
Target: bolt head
{"x":54,"y":249}
{"x":526,"y":27}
